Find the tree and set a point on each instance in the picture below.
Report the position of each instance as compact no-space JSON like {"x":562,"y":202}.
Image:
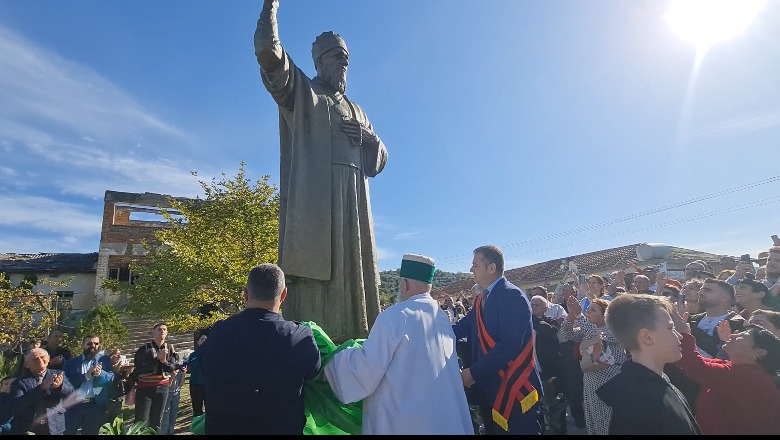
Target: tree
{"x":391,"y":279}
{"x":26,"y":313}
{"x":102,"y":321}
{"x":204,"y":255}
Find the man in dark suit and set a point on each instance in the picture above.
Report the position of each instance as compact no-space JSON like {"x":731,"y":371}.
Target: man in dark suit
{"x":92,"y":374}
{"x":499,"y":329}
{"x":256,"y":363}
{"x":38,"y":397}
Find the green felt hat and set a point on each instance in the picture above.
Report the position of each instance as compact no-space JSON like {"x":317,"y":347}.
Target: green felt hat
{"x":418,"y":267}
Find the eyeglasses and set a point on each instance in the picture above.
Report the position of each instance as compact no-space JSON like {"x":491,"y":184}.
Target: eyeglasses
{"x":93,"y":343}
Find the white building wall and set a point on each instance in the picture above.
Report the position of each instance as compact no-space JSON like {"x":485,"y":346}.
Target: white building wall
{"x":82,"y":285}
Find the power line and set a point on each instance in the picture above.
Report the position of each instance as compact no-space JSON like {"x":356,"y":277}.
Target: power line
{"x":755,"y":204}
{"x":463,"y":256}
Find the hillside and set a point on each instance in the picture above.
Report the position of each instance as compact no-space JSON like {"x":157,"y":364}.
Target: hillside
{"x":391,"y":278}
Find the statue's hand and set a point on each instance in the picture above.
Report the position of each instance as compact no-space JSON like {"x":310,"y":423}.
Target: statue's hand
{"x":358,"y":133}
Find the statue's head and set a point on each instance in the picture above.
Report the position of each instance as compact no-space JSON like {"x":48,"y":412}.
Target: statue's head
{"x":331,"y":58}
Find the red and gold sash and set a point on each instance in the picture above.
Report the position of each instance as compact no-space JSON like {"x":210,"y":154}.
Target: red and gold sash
{"x":515,"y":386}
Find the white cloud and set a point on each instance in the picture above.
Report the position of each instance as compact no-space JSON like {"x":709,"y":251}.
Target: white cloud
{"x":384,"y":253}
{"x":407,"y":235}
{"x":47,"y":215}
{"x":81,"y":134}
{"x":738,"y":126}
{"x":27,"y":245}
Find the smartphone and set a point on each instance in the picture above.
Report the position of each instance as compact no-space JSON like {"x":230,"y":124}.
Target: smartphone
{"x":582,"y":279}
{"x":662,"y":267}
{"x":776,"y":240}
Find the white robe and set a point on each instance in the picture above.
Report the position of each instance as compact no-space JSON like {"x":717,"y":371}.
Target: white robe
{"x":406,"y":373}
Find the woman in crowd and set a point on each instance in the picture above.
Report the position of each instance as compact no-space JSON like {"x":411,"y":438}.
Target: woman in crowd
{"x":737,"y":396}
{"x":690,"y":291}
{"x":591,"y":329}
{"x":769,"y":319}
{"x":593,"y":288}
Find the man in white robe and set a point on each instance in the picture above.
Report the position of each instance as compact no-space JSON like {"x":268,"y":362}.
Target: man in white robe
{"x":406,"y":371}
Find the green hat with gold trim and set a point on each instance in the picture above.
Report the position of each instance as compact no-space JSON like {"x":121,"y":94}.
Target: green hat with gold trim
{"x":418,"y":267}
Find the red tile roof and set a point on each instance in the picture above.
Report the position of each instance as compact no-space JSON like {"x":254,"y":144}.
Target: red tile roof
{"x":602,"y":261}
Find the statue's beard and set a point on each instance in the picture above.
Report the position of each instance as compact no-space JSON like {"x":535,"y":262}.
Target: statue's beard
{"x":334,"y":77}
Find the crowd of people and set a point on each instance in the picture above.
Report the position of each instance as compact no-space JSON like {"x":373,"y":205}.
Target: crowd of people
{"x":57,"y":392}
{"x":631,"y":352}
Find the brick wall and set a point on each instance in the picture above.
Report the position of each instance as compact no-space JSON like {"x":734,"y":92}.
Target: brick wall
{"x":121,"y":238}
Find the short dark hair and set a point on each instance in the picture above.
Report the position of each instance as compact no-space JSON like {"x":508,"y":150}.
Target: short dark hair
{"x":627,"y":314}
{"x":772,"y":316}
{"x":675,"y":291}
{"x":763,"y":338}
{"x":159,"y":324}
{"x":542,"y":288}
{"x":492,"y":254}
{"x":84,"y":339}
{"x":266,"y":282}
{"x":723,"y":285}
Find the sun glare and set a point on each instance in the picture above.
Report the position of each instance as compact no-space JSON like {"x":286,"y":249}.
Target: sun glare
{"x":708,"y":22}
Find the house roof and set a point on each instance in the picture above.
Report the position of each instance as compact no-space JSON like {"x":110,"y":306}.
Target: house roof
{"x":48,"y":263}
{"x":592,"y":262}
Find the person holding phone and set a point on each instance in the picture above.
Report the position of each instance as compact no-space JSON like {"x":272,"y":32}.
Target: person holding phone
{"x":743,"y":268}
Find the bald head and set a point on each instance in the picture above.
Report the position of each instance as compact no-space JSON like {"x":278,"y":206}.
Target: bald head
{"x":642,"y":283}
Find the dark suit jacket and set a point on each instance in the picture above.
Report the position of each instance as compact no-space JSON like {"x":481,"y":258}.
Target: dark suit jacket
{"x":644,"y":403}
{"x":548,"y":352}
{"x":255,"y":364}
{"x":507,"y":319}
{"x":73,"y":372}
{"x":28,"y":396}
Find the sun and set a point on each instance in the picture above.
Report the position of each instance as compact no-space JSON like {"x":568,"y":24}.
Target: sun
{"x":708,"y":22}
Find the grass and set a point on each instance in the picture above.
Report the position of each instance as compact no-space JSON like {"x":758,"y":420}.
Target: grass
{"x":184,"y":419}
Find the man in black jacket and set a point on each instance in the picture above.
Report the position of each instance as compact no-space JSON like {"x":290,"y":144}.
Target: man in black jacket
{"x":643,"y":400}
{"x":256,"y":363}
{"x":155,"y":361}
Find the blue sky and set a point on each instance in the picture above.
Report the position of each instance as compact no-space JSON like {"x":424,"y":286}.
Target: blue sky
{"x":532,"y":125}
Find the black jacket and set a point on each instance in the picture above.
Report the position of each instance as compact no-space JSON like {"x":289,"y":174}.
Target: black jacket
{"x":710,"y":342}
{"x":255,"y":365}
{"x":547,"y":346}
{"x":644,"y":403}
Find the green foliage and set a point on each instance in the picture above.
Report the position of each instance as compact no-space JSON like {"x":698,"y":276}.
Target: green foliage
{"x":206,"y":254}
{"x":116,"y":428}
{"x":103,"y":322}
{"x":24,"y":313}
{"x":391,"y":278}
{"x":11,"y":365}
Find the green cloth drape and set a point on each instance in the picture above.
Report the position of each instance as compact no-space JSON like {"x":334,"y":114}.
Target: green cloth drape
{"x":325,"y":414}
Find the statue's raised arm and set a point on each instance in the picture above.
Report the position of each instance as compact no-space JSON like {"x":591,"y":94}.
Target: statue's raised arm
{"x":268,"y":49}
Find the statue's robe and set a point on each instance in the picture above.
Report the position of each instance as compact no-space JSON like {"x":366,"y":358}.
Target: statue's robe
{"x":326,"y":235}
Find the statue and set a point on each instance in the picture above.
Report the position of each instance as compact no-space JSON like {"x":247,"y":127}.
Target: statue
{"x":328,"y":151}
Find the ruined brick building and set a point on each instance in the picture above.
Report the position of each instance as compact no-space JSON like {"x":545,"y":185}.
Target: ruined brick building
{"x":129,"y":219}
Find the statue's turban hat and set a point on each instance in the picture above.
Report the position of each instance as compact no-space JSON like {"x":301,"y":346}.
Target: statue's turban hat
{"x":325,"y":42}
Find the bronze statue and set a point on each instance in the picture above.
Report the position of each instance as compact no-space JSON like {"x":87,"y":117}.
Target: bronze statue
{"x":328,"y":152}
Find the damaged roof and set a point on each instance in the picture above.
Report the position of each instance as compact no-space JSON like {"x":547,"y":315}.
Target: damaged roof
{"x":48,"y":263}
